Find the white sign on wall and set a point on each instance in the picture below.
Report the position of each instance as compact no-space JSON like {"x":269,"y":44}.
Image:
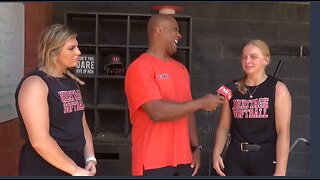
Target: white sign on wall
{"x":86,"y":64}
{"x":11,"y":56}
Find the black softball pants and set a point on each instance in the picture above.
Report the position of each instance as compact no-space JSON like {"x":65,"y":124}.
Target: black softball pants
{"x":250,"y":163}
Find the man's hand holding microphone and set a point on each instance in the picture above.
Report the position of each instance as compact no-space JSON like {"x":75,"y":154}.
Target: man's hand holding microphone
{"x":211,"y":102}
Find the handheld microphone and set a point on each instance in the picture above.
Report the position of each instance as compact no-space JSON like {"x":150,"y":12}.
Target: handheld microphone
{"x":226,"y":90}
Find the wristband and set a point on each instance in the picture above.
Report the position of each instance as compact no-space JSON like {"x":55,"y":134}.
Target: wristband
{"x":91,"y":159}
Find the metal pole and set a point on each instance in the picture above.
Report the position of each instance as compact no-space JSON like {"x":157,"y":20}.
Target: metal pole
{"x":296,"y":142}
{"x":277,"y":69}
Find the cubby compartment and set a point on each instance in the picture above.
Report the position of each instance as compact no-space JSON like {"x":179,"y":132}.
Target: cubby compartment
{"x":111,"y":94}
{"x":84,"y":26}
{"x":112,"y":122}
{"x":86,"y":66}
{"x":87,"y":92}
{"x":138,"y":31}
{"x":104,"y":55}
{"x":112,"y":29}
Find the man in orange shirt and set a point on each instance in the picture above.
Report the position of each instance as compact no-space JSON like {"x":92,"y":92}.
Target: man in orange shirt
{"x":164,"y":134}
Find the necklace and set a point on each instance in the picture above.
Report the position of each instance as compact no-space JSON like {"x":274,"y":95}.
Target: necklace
{"x":67,"y":87}
{"x":251,"y":94}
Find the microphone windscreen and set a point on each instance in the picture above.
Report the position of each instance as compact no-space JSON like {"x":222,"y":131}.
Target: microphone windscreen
{"x":225,"y":91}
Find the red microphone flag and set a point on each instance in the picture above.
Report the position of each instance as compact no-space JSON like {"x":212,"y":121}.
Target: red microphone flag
{"x":225,"y":91}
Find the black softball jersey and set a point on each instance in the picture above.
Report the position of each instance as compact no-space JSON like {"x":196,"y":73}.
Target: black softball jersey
{"x":65,"y":125}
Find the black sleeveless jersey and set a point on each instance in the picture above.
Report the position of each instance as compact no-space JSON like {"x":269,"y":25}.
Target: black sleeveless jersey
{"x":65,"y":111}
{"x":253,"y":118}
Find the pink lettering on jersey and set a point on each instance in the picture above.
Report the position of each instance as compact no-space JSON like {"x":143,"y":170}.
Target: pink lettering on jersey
{"x":71,"y":100}
{"x":251,"y":108}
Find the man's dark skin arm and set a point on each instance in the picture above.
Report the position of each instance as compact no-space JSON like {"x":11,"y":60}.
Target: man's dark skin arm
{"x":162,"y":110}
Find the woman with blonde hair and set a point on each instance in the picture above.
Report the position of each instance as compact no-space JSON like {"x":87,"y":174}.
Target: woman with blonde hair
{"x":49,"y":104}
{"x":257,"y":118}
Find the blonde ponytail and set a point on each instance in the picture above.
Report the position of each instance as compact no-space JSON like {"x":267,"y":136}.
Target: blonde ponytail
{"x":75,"y":77}
{"x":241,"y":85}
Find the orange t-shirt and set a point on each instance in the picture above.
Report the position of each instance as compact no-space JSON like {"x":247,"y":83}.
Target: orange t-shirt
{"x":167,"y":143}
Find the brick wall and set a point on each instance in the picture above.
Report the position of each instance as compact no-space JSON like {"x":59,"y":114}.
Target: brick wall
{"x":37,"y":16}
